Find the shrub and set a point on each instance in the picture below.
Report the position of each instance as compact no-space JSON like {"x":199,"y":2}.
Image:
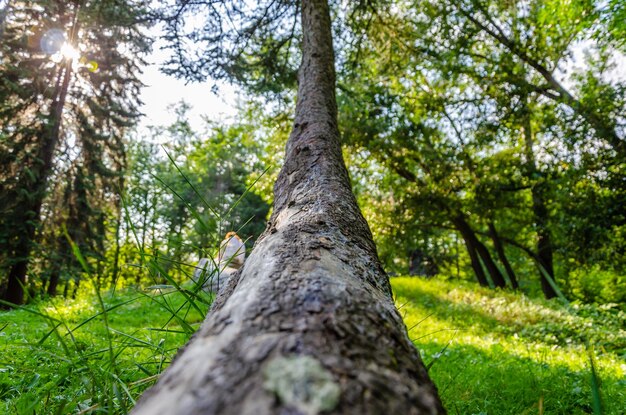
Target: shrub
{"x":597,"y":285}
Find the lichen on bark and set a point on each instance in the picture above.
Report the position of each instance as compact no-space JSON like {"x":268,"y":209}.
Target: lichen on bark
{"x":303,"y":383}
{"x":312,"y":290}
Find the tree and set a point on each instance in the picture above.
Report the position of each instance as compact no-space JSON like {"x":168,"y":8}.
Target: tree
{"x":405,"y":122}
{"x":296,"y":329}
{"x":183,"y":199}
{"x":80,"y":107}
{"x":485,"y":86}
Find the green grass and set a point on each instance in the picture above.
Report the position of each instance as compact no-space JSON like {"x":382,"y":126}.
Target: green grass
{"x":495,"y":352}
{"x":489,"y":352}
{"x":61,"y":357}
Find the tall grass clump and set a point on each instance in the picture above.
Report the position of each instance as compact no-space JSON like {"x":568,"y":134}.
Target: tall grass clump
{"x":97,"y":352}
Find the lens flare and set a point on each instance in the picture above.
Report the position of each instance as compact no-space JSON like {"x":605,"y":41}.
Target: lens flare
{"x":52,"y":41}
{"x":92,"y":66}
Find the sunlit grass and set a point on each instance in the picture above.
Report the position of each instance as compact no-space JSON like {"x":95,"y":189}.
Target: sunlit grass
{"x":64,"y":356}
{"x":489,"y":352}
{"x":69,"y":310}
{"x":502,"y":353}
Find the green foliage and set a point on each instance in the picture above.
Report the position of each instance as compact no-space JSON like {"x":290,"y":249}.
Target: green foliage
{"x":488,"y":351}
{"x":592,"y":284}
{"x":613,"y":32}
{"x":492,"y":111}
{"x":184,"y":196}
{"x":63,"y":122}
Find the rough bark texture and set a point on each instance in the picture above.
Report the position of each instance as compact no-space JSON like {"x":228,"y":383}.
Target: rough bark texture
{"x":308,"y":325}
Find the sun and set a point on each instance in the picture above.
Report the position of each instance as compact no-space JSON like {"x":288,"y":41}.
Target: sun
{"x":66,"y":52}
{"x":69,"y":52}
{"x":54,"y":42}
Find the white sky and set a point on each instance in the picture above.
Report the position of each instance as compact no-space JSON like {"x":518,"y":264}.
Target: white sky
{"x":162,"y":90}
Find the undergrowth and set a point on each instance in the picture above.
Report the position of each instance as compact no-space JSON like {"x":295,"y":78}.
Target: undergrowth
{"x":489,"y":352}
{"x":498,"y":352}
{"x":94,"y":354}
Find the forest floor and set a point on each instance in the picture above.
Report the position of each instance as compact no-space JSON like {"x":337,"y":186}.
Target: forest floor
{"x":498,"y":352}
{"x":489,"y":352}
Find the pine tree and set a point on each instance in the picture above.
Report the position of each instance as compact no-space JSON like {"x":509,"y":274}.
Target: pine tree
{"x":69,"y":82}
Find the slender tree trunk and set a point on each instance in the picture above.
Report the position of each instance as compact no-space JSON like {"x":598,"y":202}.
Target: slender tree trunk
{"x":469,"y":235}
{"x":54,"y":282}
{"x":544,"y":240}
{"x":540,"y":211}
{"x":66,"y":287}
{"x":497,"y":244}
{"x":456,"y":259}
{"x":37,"y":188}
{"x":309,"y":324}
{"x":76,"y":286}
{"x":475,"y":260}
{"x":116,"y":255}
{"x":492,"y":268}
{"x":144,"y":231}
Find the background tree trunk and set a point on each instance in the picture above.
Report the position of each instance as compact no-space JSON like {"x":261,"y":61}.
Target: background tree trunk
{"x":16,"y":281}
{"x":54,"y":281}
{"x":479,"y":248}
{"x":475,"y":261}
{"x":499,"y":247}
{"x":309,"y":324}
{"x":544,"y":242}
{"x":540,"y":211}
{"x":37,"y":188}
{"x":492,"y":268}
{"x":116,"y":255}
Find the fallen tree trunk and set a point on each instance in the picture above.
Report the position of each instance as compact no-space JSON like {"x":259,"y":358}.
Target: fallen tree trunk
{"x":309,"y":324}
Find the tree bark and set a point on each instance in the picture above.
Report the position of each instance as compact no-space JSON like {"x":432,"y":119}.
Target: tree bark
{"x":497,"y":244}
{"x":476,"y":265}
{"x":42,"y":167}
{"x":540,"y":211}
{"x":469,"y":235}
{"x":309,"y":324}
